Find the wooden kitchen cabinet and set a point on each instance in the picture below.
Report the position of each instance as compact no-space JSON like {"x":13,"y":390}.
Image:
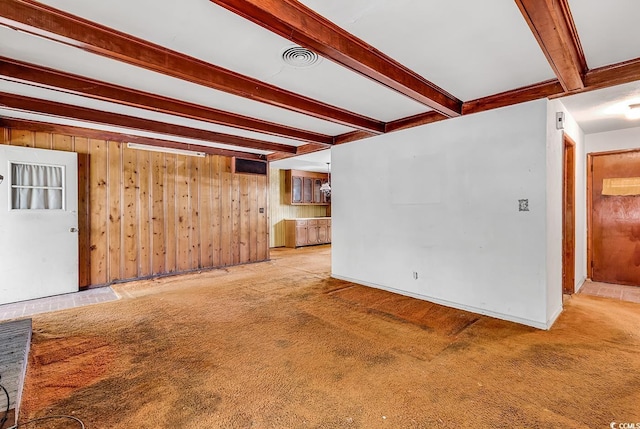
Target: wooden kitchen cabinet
{"x":307,"y":231}
{"x":303,"y":188}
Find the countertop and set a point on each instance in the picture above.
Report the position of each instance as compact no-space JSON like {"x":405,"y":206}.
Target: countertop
{"x":309,"y":218}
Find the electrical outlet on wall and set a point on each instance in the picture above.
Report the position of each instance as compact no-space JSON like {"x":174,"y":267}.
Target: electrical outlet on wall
{"x":523,"y":205}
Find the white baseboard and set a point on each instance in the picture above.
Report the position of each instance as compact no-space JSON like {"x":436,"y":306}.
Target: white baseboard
{"x":577,"y":288}
{"x":553,"y":318}
{"x":502,"y":316}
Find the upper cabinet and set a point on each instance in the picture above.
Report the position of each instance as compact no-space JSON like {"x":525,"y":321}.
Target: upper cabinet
{"x":303,"y":188}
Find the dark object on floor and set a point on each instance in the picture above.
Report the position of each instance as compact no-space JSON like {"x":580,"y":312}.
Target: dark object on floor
{"x":15,"y":338}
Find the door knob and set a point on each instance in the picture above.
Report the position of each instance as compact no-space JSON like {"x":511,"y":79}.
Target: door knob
{"x":72,"y":229}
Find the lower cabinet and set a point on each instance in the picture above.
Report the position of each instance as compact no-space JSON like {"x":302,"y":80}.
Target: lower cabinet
{"x":300,"y":235}
{"x":307,"y":232}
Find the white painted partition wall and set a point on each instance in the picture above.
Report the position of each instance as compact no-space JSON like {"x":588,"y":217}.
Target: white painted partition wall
{"x":442,"y":201}
{"x":624,"y":139}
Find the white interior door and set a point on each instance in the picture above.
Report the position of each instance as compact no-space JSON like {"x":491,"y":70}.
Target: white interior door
{"x":38,"y":223}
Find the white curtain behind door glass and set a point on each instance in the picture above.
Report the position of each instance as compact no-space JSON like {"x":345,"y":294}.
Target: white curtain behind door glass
{"x":36,"y":187}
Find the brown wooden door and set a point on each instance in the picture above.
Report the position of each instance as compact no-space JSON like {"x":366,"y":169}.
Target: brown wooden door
{"x":615,"y":219}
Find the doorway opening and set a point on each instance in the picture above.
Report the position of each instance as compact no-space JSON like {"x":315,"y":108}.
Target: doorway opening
{"x":568,"y":216}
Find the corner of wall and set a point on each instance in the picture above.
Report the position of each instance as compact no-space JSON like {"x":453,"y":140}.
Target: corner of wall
{"x":555,"y":165}
{"x":554,"y":211}
{"x":554,"y":316}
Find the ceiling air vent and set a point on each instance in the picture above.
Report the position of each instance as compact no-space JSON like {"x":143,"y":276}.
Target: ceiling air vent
{"x":300,"y":57}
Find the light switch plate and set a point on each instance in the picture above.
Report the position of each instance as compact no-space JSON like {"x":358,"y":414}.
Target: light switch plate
{"x":560,"y":120}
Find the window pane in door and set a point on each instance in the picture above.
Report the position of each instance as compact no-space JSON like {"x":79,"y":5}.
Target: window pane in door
{"x":306,"y":192}
{"x":36,"y":187}
{"x":317,"y":193}
{"x":297,"y":190}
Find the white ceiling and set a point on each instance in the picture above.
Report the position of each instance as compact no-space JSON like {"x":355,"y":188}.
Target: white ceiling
{"x":604,"y":109}
{"x":471,"y":49}
{"x":609,"y":30}
{"x":43,"y":52}
{"x":204,"y":30}
{"x":316,"y":161}
{"x":76,"y":100}
{"x":19,"y":114}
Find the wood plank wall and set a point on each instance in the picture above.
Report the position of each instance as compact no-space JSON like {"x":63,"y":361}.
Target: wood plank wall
{"x":147,"y":213}
{"x":279,"y":210}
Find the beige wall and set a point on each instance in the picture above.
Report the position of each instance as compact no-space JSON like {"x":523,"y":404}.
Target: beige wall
{"x":278,"y":210}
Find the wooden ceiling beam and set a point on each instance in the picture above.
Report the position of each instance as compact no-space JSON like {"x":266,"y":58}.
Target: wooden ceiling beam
{"x":69,"y":130}
{"x":21,"y":71}
{"x":277,"y":156}
{"x":603,"y":77}
{"x":397,"y":125}
{"x":614,"y":74}
{"x":553,"y":26}
{"x":351,"y":137}
{"x":42,"y":20}
{"x":528,"y":93}
{"x":52,"y":108}
{"x":414,"y":121}
{"x":302,"y":150}
{"x":310,"y":148}
{"x":296,"y":22}
{"x":536,"y":91}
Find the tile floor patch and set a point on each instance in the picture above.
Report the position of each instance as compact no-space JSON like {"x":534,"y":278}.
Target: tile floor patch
{"x":607,"y":290}
{"x":57,"y":303}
